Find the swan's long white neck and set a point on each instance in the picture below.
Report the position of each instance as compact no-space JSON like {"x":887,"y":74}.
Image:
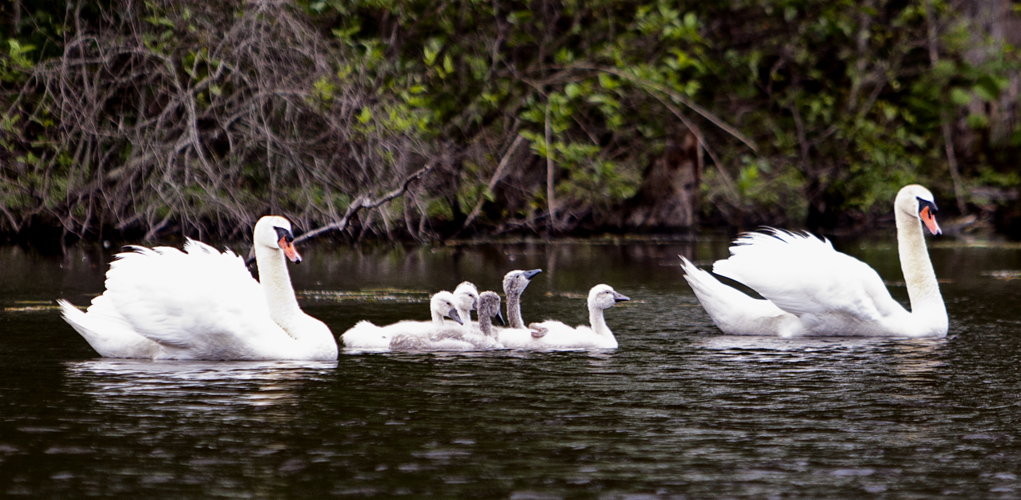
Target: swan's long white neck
{"x":276,"y":286}
{"x":598,"y":321}
{"x":927,"y":305}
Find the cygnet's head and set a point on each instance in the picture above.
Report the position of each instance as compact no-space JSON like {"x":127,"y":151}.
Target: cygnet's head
{"x":489,"y":306}
{"x":466,"y":297}
{"x":515,"y":282}
{"x":918,"y":202}
{"x":274,"y":232}
{"x":603,"y":296}
{"x":443,"y":304}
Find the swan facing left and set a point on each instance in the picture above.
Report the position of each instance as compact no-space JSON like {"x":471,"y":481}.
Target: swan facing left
{"x":201,"y":304}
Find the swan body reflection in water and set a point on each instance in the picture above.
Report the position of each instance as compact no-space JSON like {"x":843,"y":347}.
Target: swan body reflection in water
{"x":187,"y":383}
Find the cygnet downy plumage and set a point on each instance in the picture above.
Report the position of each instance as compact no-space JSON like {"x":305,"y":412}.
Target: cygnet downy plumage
{"x":552,"y":334}
{"x":514,"y":284}
{"x":367,"y":336}
{"x":466,"y":300}
{"x":452,"y":338}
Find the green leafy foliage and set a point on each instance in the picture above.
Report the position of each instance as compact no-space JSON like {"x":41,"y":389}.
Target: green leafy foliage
{"x":805,"y":110}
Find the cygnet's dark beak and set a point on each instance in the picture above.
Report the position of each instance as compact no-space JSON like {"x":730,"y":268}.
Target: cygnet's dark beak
{"x":452,"y":314}
{"x":619,"y":298}
{"x":531,"y":274}
{"x":499,"y":317}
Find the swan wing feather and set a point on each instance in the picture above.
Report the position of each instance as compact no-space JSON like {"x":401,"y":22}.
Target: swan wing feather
{"x":201,"y":300}
{"x":805,"y":276}
{"x":562,"y":336}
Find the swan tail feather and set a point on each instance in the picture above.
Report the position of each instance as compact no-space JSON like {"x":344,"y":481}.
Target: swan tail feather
{"x":734,"y":312}
{"x":109,"y":336}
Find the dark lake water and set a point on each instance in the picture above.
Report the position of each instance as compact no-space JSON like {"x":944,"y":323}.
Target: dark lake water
{"x":678,"y":411}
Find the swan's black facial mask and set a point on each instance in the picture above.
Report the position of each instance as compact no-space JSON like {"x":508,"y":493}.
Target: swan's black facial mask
{"x":927,"y":212}
{"x":284,"y":234}
{"x":285,"y":240}
{"x":922,"y":203}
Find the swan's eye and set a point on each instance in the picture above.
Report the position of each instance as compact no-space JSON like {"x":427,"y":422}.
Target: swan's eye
{"x":923,"y":204}
{"x":284,"y":234}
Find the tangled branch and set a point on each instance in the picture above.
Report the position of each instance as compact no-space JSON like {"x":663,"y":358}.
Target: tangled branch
{"x":241,"y":115}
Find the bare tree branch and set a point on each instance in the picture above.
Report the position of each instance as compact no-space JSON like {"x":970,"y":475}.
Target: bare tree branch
{"x":365,"y":202}
{"x":497,"y":175}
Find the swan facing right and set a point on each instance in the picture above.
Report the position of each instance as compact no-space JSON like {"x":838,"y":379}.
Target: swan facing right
{"x":552,"y":335}
{"x":514,"y":284}
{"x":367,"y":336}
{"x":201,"y":304}
{"x":811,"y":289}
{"x":452,"y":338}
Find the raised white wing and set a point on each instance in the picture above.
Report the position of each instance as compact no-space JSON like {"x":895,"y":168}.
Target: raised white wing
{"x":200,"y":301}
{"x":803,"y":275}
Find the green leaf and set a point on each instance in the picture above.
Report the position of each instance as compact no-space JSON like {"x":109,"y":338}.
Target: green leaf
{"x":960,"y":96}
{"x":977,"y":121}
{"x":365,"y":116}
{"x":431,"y":50}
{"x":572,"y":90}
{"x":430,"y":56}
{"x":346,"y":34}
{"x":608,"y":82}
{"x":989,"y":87}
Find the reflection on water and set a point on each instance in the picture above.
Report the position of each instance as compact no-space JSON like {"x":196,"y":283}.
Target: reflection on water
{"x":677,"y":411}
{"x":191,"y":383}
{"x":902,"y":355}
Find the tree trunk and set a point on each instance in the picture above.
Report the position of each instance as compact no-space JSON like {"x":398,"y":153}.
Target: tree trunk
{"x":668,"y":197}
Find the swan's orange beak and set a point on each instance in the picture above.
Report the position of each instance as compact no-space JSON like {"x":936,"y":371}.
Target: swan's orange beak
{"x":289,"y":250}
{"x":929,"y":219}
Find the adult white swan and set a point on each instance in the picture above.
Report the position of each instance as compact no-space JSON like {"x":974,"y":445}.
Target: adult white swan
{"x":367,"y":336}
{"x":162,"y":303}
{"x":811,"y":289}
{"x":552,"y":335}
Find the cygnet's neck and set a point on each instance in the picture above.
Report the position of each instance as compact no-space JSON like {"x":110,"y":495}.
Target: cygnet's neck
{"x":919,"y":277}
{"x":277,"y":288}
{"x":486,"y":326}
{"x":597,"y":321}
{"x":514,"y":309}
{"x":466,"y":319}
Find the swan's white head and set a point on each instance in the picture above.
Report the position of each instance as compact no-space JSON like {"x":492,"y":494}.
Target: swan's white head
{"x":917,"y":201}
{"x":515,"y":282}
{"x":602,"y":297}
{"x":466,"y":297}
{"x":489,"y":306}
{"x":443,"y":304}
{"x":274,"y":232}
